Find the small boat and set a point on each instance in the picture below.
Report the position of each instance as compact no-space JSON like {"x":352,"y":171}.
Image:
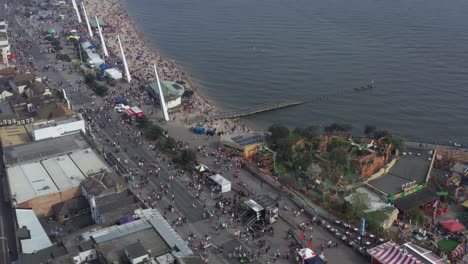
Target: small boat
{"x":365,"y":88}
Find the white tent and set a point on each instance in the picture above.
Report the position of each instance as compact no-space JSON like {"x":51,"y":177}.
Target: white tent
{"x":113,"y":73}
{"x":94,"y":60}
{"x":305,"y":253}
{"x":222,"y":182}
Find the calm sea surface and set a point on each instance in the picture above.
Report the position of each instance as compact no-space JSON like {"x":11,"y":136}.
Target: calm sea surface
{"x":246,"y":52}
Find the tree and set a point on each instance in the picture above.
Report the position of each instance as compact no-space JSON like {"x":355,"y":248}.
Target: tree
{"x":90,"y":78}
{"x":307,"y":132}
{"x":381,"y":133}
{"x":339,"y":156}
{"x":169,"y":144}
{"x":277,"y":132}
{"x":143,"y":122}
{"x":280,"y":141}
{"x":338,"y":127}
{"x":369,"y":129}
{"x":314,"y":171}
{"x":360,"y":202}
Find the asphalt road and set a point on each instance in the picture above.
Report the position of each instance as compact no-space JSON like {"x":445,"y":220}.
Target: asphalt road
{"x":183,"y":198}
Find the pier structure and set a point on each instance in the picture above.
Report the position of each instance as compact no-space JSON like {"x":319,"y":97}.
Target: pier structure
{"x":87,"y":20}
{"x":250,"y":111}
{"x":104,"y":48}
{"x":161,"y":96}
{"x":127,"y":72}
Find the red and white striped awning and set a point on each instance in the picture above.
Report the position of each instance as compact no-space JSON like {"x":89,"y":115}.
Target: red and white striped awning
{"x":459,"y":250}
{"x":392,"y":253}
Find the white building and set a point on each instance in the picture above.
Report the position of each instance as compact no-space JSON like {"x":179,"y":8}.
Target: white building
{"x":58,"y":128}
{"x":4,"y":45}
{"x":172,"y":92}
{"x":37,"y":238}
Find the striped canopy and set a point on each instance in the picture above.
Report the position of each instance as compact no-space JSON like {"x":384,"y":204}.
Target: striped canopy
{"x":202,"y":168}
{"x":392,"y":253}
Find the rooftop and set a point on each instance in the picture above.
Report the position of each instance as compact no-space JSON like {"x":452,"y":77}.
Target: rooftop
{"x":88,"y":161}
{"x":28,"y":181}
{"x":243,"y":139}
{"x":63,"y":172}
{"x":424,"y":196}
{"x":53,"y":123}
{"x":39,"y":239}
{"x":376,"y":202}
{"x":102,"y":183}
{"x":408,"y":168}
{"x":44,"y":148}
{"x":5,"y":108}
{"x":171,"y":90}
{"x":70,"y":206}
{"x":14,"y":135}
{"x":114,"y":250}
{"x":136,"y":250}
{"x":151,"y":230}
{"x":46,"y":255}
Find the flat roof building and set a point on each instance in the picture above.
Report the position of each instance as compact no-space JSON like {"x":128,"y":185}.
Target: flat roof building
{"x":38,"y":238}
{"x":14,"y":135}
{"x":246,"y":143}
{"x":88,"y":161}
{"x":42,"y":149}
{"x":152,"y":231}
{"x":58,"y":128}
{"x":44,"y":173}
{"x":172,"y":92}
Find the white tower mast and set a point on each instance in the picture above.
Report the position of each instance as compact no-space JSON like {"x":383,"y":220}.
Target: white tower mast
{"x":161,"y":96}
{"x":127,"y":72}
{"x":102,"y":39}
{"x":87,"y":20}
{"x":75,"y":6}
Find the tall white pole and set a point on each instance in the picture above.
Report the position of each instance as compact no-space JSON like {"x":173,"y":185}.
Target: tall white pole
{"x":127,"y":72}
{"x":87,"y":20}
{"x":75,"y":6}
{"x":102,"y":39}
{"x":161,"y":96}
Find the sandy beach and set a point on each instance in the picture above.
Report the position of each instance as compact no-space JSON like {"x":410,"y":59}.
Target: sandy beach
{"x":141,"y":56}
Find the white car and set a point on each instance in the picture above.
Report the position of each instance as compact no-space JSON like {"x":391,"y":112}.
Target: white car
{"x":121,"y":107}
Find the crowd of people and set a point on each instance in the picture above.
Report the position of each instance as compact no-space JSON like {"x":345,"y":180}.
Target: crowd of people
{"x":152,"y":173}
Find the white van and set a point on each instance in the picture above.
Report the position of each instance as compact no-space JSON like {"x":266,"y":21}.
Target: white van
{"x":120,"y":108}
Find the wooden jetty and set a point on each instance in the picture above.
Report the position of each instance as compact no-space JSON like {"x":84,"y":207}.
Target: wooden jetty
{"x":249,"y":111}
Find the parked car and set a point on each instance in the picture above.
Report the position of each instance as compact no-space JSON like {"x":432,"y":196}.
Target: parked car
{"x":120,"y":108}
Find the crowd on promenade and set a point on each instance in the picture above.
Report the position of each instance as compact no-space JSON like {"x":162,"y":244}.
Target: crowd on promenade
{"x":222,"y":217}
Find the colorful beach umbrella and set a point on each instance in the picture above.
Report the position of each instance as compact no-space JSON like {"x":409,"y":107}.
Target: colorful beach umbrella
{"x":202,"y":168}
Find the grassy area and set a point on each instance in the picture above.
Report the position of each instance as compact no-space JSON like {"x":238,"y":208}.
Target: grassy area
{"x":447,"y":244}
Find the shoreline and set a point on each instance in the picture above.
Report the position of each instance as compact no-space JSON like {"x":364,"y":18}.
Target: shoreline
{"x":146,"y":48}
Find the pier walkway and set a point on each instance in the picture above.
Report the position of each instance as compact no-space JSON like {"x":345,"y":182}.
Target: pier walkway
{"x":248,"y":111}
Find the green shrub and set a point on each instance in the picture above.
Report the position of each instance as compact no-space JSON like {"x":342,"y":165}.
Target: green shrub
{"x":65,"y":57}
{"x":111,"y":82}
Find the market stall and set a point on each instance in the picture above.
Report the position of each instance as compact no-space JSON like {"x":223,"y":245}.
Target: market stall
{"x":224,"y":185}
{"x":113,"y":73}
